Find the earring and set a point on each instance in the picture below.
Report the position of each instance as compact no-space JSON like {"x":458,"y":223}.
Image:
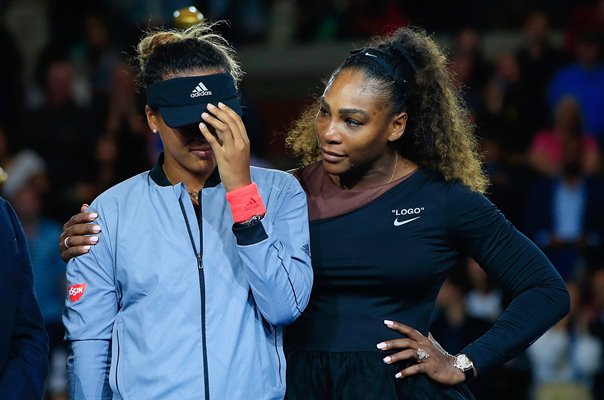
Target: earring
{"x":155,"y":130}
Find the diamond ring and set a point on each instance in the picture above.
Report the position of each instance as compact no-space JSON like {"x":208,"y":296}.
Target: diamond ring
{"x":422,"y":355}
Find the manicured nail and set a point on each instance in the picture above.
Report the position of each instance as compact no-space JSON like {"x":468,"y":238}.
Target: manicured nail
{"x":211,"y":106}
{"x":387,"y":359}
{"x":388,"y":322}
{"x":205,"y":115}
{"x":202,"y":125}
{"x":220,"y":104}
{"x":96,"y":229}
{"x":86,"y":248}
{"x":94,"y":239}
{"x":399,"y":375}
{"x":381,"y":346}
{"x":93,"y":215}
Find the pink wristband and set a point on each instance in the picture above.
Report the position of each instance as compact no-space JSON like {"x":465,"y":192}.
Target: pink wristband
{"x":245,"y":202}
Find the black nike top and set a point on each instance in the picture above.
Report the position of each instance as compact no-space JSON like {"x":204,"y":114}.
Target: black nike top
{"x":388,"y":257}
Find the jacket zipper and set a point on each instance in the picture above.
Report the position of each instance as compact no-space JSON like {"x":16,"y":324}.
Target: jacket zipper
{"x":202,"y":292}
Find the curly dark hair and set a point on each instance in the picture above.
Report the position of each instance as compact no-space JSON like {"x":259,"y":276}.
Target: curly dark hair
{"x":439,"y":135}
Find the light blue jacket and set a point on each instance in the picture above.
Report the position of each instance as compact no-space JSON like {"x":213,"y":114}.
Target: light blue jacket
{"x":154,"y":323}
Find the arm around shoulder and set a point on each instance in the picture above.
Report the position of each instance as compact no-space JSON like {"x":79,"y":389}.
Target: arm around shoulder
{"x":90,"y":310}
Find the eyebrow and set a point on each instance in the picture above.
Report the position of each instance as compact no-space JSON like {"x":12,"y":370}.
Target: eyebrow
{"x":346,"y":111}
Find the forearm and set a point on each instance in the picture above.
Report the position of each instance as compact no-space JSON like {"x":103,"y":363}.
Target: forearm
{"x":276,"y":257}
{"x":539,"y":296}
{"x":88,"y":369}
{"x":280,"y":281}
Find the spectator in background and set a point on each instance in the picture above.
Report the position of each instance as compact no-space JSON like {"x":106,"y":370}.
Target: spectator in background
{"x":120,"y":151}
{"x":365,"y":18}
{"x":453,"y":326}
{"x":538,"y":60}
{"x":567,"y":356}
{"x":548,"y":145}
{"x":98,"y":56}
{"x":564,"y":215}
{"x":508,"y":114}
{"x":11,"y":83}
{"x":586,"y":17}
{"x":249,"y":18}
{"x":61,"y":133}
{"x":583,"y":80}
{"x":484,"y":299}
{"x":468,"y":44}
{"x":23,"y":341}
{"x":25,"y":188}
{"x":463,"y":69}
{"x":506,"y":124}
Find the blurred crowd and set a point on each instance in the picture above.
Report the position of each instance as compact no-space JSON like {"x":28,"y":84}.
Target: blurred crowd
{"x":71,"y":125}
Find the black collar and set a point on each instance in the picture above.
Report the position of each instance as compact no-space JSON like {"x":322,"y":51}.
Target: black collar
{"x":159,"y":177}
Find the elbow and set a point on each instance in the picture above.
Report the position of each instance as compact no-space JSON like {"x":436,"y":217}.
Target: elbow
{"x":281,"y":319}
{"x":286,"y":315}
{"x":564,"y":302}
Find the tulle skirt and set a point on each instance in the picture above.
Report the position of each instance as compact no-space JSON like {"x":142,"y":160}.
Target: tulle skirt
{"x":359,"y":376}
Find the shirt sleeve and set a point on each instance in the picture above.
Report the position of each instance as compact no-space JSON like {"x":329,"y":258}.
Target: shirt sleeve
{"x":276,"y":255}
{"x":90,"y":309}
{"x":539,"y":296}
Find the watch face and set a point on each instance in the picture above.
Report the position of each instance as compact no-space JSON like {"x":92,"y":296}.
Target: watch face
{"x":462,"y":362}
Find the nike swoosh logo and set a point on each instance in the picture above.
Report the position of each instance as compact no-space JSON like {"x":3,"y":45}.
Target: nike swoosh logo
{"x":397,"y":223}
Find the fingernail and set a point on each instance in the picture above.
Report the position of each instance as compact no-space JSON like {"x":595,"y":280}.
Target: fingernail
{"x":202,"y":125}
{"x":387,"y":360}
{"x":210,"y":106}
{"x":205,"y":115}
{"x":220,"y":104}
{"x":388,"y":322}
{"x":96,"y":229}
{"x":381,"y":345}
{"x":93,"y":215}
{"x":86,"y":248}
{"x":94,"y":239}
{"x":399,"y":375}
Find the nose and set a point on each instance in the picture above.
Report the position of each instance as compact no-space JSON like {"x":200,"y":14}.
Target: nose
{"x":328,"y":132}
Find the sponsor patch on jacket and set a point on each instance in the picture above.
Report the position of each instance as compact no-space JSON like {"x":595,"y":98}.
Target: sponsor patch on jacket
{"x":76,"y":291}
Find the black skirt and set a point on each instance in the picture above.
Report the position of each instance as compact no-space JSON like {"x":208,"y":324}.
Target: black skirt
{"x":359,"y":376}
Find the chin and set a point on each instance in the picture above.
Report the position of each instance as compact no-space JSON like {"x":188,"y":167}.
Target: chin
{"x":335,"y":169}
{"x":202,"y":165}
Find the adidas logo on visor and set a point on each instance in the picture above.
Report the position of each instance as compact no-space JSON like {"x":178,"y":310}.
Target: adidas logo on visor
{"x":200,"y":90}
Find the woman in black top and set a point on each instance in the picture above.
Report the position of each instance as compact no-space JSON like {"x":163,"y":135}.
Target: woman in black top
{"x":394,"y":188}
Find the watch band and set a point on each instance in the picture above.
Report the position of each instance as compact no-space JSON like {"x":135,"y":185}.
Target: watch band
{"x":470,"y":375}
{"x":250,"y":222}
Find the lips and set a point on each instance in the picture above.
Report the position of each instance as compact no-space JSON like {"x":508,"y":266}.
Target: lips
{"x":202,"y":151}
{"x":331,"y":156}
{"x":200,"y":148}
